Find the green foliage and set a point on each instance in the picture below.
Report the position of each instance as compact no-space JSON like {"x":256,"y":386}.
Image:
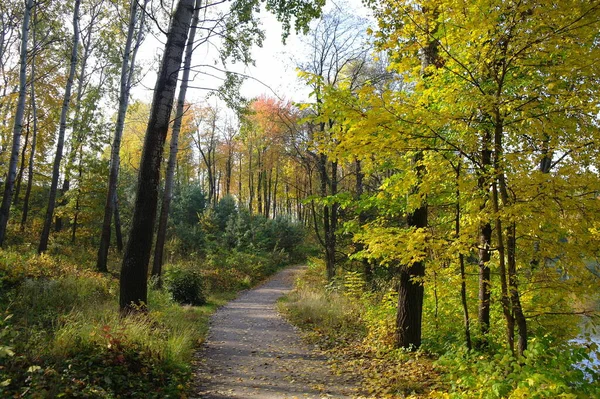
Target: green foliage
{"x":186,"y":285}
{"x":62,"y":335}
{"x":358,"y":328}
{"x":187,"y":206}
{"x":546,"y":371}
{"x":255,"y":232}
{"x":225,"y":210}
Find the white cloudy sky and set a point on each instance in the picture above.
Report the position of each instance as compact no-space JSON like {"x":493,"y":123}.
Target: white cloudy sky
{"x":275,"y":63}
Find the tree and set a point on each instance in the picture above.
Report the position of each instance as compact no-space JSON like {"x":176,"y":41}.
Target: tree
{"x":61,"y":133}
{"x":133,"y":284}
{"x":335,"y":45}
{"x":18,"y":124}
{"x":127,"y":70}
{"x":174,"y":145}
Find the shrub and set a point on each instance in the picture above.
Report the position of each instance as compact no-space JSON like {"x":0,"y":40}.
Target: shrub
{"x":186,"y":286}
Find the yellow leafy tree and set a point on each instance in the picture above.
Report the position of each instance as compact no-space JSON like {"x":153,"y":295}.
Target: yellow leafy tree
{"x":506,"y":121}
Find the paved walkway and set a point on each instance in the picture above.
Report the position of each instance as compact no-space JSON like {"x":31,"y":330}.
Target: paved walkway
{"x":252,"y":352}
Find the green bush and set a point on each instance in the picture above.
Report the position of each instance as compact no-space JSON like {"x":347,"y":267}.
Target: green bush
{"x":186,"y":286}
{"x":546,"y":371}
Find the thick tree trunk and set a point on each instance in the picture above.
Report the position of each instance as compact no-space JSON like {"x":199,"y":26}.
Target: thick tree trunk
{"x":18,"y":126}
{"x":173,"y":147}
{"x":61,"y":134}
{"x":134,"y":272}
{"x":125,"y":86}
{"x":410,"y":307}
{"x":411,"y":291}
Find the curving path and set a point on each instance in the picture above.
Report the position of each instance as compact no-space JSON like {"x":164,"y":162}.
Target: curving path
{"x":252,"y":352}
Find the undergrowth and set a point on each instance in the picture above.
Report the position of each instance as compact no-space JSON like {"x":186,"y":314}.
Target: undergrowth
{"x":61,"y":334}
{"x":357,"y":327}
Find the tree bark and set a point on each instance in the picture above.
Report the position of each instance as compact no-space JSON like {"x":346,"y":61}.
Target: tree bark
{"x":461,"y":261}
{"x":485,"y":238}
{"x":125,"y":86}
{"x":77,"y":135}
{"x":18,"y":126}
{"x":61,"y":134}
{"x":118,"y":232}
{"x":34,"y":134}
{"x":22,"y":167}
{"x":504,"y":300}
{"x":410,"y":287}
{"x":362,"y":218}
{"x":134,"y":271}
{"x":168,"y":191}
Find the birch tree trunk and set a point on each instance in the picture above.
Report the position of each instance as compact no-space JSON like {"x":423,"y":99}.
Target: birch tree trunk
{"x":77,"y":135}
{"x":61,"y":133}
{"x":173,"y":147}
{"x":125,"y":86}
{"x":22,"y":167}
{"x":34,"y":133}
{"x":134,"y":271}
{"x":18,"y":126}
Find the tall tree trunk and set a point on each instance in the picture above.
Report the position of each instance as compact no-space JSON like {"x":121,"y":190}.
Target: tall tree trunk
{"x":77,"y":198}
{"x":327,"y":228}
{"x":77,"y":135}
{"x":134,"y":272}
{"x":504,"y":299}
{"x":268,"y":186}
{"x":461,"y":261}
{"x":18,"y":126}
{"x":274,"y":206}
{"x":331,"y":239}
{"x":250,"y":180}
{"x":362,"y":218}
{"x":34,"y":136}
{"x":125,"y":86}
{"x":168,"y":191}
{"x":118,"y":232}
{"x":410,"y":287}
{"x":61,"y":133}
{"x":485,"y":239}
{"x":240,"y":196}
{"x":22,"y":167}
{"x":511,"y":243}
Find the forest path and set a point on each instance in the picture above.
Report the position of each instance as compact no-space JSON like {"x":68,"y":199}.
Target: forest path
{"x":252,"y":352}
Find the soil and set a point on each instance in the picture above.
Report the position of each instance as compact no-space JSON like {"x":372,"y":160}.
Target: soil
{"x":252,"y":352}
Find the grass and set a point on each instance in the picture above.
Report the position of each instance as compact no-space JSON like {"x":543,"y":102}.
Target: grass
{"x":61,"y":334}
{"x":357,"y":330}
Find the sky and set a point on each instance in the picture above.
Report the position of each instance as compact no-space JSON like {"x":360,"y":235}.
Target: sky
{"x":275,"y":63}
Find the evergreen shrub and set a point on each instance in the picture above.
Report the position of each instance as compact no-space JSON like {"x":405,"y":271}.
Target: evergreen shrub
{"x":186,"y":286}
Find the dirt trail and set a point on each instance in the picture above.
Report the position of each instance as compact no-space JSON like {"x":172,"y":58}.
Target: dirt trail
{"x":252,"y":352}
